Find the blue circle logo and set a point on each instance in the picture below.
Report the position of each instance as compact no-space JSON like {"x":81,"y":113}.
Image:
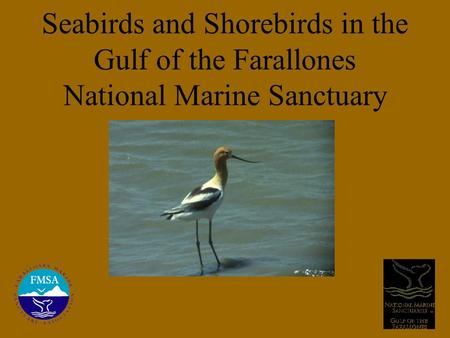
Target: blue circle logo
{"x":43,"y":294}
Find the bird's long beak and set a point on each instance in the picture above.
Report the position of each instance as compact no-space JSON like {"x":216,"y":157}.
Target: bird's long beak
{"x":241,"y":159}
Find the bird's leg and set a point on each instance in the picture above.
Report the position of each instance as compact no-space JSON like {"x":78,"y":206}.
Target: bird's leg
{"x":211,"y":243}
{"x":198,"y":244}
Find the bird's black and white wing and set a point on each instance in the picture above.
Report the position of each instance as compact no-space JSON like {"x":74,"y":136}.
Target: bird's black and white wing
{"x":197,"y":200}
{"x":203,"y":196}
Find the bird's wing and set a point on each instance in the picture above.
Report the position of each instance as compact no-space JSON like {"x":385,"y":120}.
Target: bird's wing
{"x":201,"y":194}
{"x":200,"y":198}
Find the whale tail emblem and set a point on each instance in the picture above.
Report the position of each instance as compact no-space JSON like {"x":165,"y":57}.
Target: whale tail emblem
{"x":413,"y":275}
{"x":41,"y":304}
{"x":414,"y":284}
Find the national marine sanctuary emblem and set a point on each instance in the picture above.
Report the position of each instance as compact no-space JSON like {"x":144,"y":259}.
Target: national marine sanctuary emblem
{"x":43,"y":294}
{"x":409,"y":294}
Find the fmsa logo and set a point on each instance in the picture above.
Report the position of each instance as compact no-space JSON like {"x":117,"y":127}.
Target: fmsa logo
{"x":43,"y":294}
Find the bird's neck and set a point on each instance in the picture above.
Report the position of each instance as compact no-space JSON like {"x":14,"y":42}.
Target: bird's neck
{"x":221,"y":171}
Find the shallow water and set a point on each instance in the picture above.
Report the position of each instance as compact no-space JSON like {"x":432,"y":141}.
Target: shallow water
{"x":277,"y":217}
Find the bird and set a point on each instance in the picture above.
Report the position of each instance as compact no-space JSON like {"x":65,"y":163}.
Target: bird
{"x":203,"y":201}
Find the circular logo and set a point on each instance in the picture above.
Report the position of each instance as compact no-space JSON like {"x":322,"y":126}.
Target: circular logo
{"x":43,"y":294}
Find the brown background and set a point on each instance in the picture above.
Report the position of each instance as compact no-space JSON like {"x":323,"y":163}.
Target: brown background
{"x":391,"y":172}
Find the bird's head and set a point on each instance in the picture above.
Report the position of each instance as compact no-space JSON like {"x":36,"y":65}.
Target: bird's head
{"x":225,"y":153}
{"x":222,"y":153}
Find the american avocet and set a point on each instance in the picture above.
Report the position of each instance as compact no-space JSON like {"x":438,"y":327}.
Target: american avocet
{"x":203,"y":201}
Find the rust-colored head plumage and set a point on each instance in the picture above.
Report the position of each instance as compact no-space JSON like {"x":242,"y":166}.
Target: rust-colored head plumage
{"x":222,"y":153}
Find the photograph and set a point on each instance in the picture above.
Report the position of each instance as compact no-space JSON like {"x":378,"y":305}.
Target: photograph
{"x":221,"y":198}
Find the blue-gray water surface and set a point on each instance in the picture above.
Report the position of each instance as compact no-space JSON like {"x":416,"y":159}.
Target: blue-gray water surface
{"x":277,"y":217}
